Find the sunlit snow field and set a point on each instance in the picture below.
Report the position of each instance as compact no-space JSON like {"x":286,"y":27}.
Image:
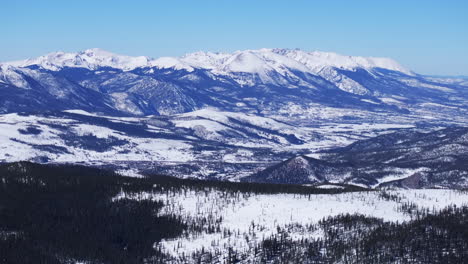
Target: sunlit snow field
{"x":250,"y":218}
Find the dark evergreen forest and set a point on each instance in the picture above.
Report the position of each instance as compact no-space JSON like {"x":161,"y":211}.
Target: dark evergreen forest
{"x":66,"y":214}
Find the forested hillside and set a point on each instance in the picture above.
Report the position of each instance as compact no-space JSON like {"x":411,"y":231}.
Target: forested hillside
{"x":74,"y":214}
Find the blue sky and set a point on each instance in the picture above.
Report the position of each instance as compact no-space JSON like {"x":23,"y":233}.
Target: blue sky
{"x":429,"y":37}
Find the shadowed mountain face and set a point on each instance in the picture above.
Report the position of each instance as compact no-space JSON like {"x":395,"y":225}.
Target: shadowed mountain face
{"x":406,"y":158}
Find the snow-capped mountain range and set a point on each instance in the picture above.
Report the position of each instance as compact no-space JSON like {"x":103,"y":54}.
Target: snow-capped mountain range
{"x":220,"y":115}
{"x":249,"y":61}
{"x":259,"y":81}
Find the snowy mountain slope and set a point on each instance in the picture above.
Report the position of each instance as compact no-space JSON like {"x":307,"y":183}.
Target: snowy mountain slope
{"x":255,"y":81}
{"x":24,"y":89}
{"x":406,"y":158}
{"x":319,"y":60}
{"x":88,"y":59}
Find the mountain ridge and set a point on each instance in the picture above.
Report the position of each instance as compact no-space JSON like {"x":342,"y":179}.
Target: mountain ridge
{"x":220,"y":62}
{"x":256,"y":81}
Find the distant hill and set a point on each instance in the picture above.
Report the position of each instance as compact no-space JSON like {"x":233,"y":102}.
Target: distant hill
{"x":407,"y":158}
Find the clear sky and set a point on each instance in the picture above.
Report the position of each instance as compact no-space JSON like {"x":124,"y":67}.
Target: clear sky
{"x":429,"y":37}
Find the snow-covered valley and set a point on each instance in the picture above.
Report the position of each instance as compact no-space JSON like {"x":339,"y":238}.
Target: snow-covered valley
{"x":205,"y":144}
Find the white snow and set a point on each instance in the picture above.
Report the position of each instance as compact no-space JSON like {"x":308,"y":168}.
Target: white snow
{"x":130,"y":173}
{"x":79,"y":112}
{"x":398,"y":174}
{"x":9,"y":74}
{"x":91,"y":59}
{"x":268,"y":212}
{"x":369,"y":101}
{"x":417,"y":83}
{"x":223,"y":117}
{"x":245,"y":138}
{"x":170,"y":62}
{"x":329,"y":186}
{"x":262,"y":60}
{"x":318,"y":60}
{"x":15,"y":146}
{"x":259,"y":61}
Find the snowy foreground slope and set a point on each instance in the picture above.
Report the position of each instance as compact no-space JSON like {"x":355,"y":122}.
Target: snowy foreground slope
{"x":76,"y":214}
{"x":246,"y":220}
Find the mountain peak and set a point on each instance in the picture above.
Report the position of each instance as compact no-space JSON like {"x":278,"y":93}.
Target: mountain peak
{"x":267,"y":59}
{"x":320,"y":59}
{"x":258,"y":61}
{"x":98,"y":52}
{"x":90,"y":58}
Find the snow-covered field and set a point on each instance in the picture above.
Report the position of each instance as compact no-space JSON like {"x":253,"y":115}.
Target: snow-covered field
{"x":199,"y":137}
{"x":17,"y":145}
{"x":247,"y":219}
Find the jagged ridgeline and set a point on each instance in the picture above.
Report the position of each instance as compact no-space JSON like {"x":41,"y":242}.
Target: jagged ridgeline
{"x":74,"y":214}
{"x":266,"y":80}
